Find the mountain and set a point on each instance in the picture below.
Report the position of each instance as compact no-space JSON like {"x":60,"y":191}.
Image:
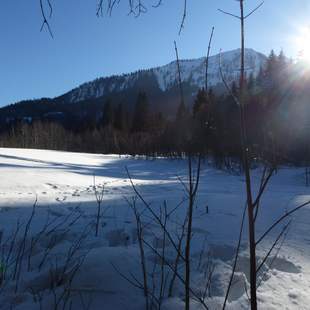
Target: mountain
{"x":192,"y":72}
{"x":86,"y":101}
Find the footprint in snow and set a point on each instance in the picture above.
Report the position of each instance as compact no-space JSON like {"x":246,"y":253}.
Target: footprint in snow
{"x":61,"y":199}
{"x":51,"y":185}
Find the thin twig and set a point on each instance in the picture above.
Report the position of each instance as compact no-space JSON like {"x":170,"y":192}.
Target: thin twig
{"x":207,"y":58}
{"x":183,"y":16}
{"x":45,"y":22}
{"x":236,"y":258}
{"x":283,"y":217}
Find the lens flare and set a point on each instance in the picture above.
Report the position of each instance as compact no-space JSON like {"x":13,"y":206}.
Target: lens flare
{"x":303,"y":44}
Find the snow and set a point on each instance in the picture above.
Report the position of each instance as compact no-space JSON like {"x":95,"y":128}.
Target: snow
{"x":193,"y":71}
{"x":63,"y":184}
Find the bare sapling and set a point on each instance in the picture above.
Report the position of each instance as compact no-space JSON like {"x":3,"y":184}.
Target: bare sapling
{"x":99,"y":198}
{"x":252,"y":205}
{"x":140,"y":236}
{"x":191,"y":189}
{"x":22,"y":247}
{"x":183,"y":240}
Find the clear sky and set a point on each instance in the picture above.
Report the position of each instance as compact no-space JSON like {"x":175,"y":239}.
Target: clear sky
{"x":32,"y":65}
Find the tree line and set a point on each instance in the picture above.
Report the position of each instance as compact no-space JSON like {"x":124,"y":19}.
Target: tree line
{"x":277,"y":114}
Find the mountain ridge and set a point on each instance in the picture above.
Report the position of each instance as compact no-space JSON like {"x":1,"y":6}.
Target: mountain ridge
{"x":85,"y":103}
{"x":192,"y":71}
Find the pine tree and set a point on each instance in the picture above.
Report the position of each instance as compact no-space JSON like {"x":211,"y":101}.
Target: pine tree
{"x":181,"y":112}
{"x":271,"y":69}
{"x":251,"y":83}
{"x":108,"y":114}
{"x":119,"y":117}
{"x":200,"y":104}
{"x":234,"y":88}
{"x":141,"y":113}
{"x":282,"y":62}
{"x":259,"y":80}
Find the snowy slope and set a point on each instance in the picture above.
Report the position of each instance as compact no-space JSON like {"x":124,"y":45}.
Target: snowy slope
{"x":63,"y":183}
{"x":192,"y":71}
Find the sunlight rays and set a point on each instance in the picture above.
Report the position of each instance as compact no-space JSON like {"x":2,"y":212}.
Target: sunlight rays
{"x":302,"y":41}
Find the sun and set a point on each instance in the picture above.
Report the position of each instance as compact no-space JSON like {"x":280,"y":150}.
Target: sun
{"x":303,"y":44}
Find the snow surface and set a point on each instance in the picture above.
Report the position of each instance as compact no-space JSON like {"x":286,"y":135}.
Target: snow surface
{"x":63,"y":183}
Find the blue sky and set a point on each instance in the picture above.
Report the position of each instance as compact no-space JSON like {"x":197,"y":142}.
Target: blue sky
{"x":32,"y":65}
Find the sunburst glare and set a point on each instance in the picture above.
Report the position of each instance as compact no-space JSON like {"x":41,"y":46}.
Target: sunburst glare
{"x":303,"y":44}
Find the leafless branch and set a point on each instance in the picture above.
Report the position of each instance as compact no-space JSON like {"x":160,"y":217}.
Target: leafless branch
{"x":207,"y":58}
{"x":178,"y":275}
{"x":282,"y":218}
{"x":183,"y":17}
{"x":45,"y":22}
{"x":21,"y":250}
{"x":230,"y":14}
{"x":99,"y":198}
{"x":273,"y":245}
{"x":239,"y":17}
{"x":148,"y":207}
{"x":254,"y":10}
{"x":225,"y":82}
{"x":156,"y":5}
{"x":179,"y":73}
{"x":140,"y":235}
{"x":178,"y":256}
{"x":236,"y":258}
{"x":274,"y":257}
{"x":264,"y":181}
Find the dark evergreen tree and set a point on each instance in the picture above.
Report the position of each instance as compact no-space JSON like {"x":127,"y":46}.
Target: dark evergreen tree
{"x":141,"y":114}
{"x":200,"y":105}
{"x":120,"y":117}
{"x":181,"y":112}
{"x":107,"y":114}
{"x":271,"y":70}
{"x":250,"y":84}
{"x":234,"y":88}
{"x":259,"y":80}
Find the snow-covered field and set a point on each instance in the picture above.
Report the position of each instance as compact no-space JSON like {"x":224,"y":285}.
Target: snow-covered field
{"x":52,"y":260}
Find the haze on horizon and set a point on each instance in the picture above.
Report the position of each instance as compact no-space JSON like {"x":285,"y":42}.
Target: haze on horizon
{"x":85,"y":47}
